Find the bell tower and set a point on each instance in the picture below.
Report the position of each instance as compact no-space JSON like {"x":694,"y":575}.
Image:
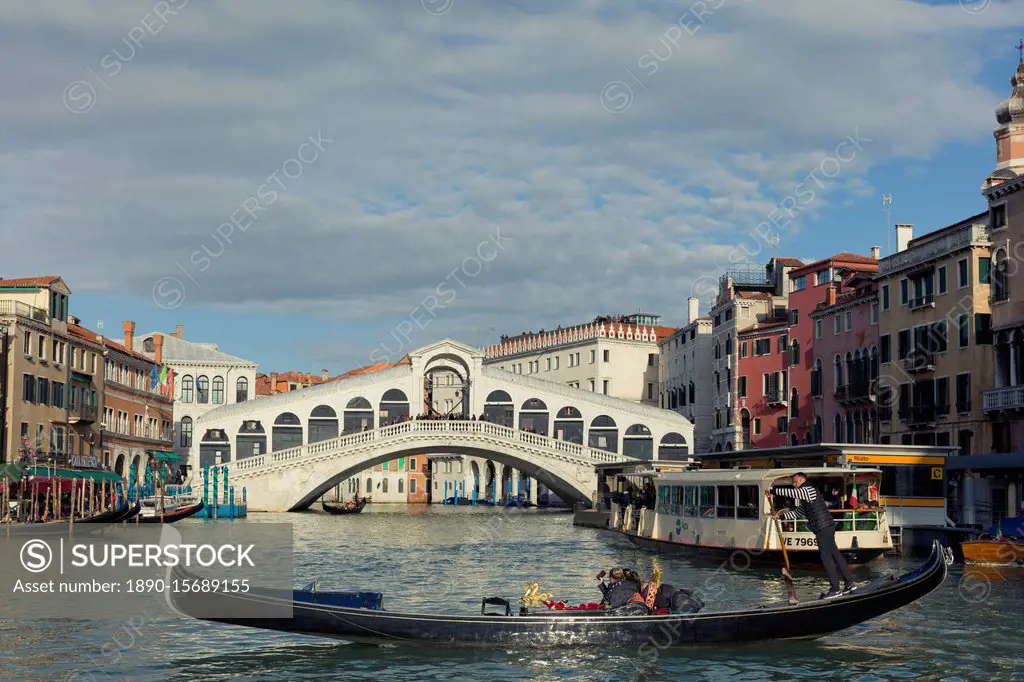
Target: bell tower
{"x":1010,"y":132}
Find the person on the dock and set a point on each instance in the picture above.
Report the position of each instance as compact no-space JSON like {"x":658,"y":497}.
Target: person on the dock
{"x":811,"y":505}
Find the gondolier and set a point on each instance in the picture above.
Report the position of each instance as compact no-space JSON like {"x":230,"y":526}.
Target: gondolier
{"x":811,"y":505}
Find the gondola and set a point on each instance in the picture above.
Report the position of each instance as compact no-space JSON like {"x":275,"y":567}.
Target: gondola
{"x":337,"y":615}
{"x":114,"y":515}
{"x":172,"y":516}
{"x":332,"y":508}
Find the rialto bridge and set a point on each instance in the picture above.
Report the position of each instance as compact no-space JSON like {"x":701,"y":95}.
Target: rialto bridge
{"x":289,"y":449}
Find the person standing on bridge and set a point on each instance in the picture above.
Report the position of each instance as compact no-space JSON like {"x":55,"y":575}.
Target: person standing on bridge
{"x":811,"y":505}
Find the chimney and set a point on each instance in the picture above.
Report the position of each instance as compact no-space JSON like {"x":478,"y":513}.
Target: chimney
{"x":273,"y":383}
{"x":830,"y":295}
{"x":323,"y":374}
{"x":876,"y":252}
{"x":692,"y":309}
{"x":177,"y":332}
{"x":129,"y":334}
{"x":904,"y":233}
{"x":158,"y":348}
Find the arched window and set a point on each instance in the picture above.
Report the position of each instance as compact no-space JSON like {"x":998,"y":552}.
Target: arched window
{"x":186,"y":432}
{"x":369,"y":485}
{"x":604,"y":434}
{"x":323,"y":423}
{"x":673,"y":447}
{"x":728,"y":344}
{"x":401,"y":486}
{"x":358,"y":416}
{"x":533,"y":416}
{"x":203,"y":389}
{"x":794,"y":352}
{"x":794,"y":404}
{"x":187,"y":386}
{"x":638,"y":442}
{"x":838,"y":375}
{"x":816,"y":378}
{"x":569,"y":425}
{"x":384,"y":485}
{"x":218,"y":390}
{"x":287,"y":432}
{"x":874,"y":363}
{"x":241,"y":390}
{"x":838,"y":429}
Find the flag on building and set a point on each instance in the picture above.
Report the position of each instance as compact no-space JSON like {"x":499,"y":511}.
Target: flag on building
{"x":154,"y":377}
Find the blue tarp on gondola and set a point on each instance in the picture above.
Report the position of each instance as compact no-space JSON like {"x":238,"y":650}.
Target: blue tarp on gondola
{"x":1012,"y":527}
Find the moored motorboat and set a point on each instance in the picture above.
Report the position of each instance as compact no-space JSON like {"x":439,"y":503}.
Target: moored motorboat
{"x":1000,"y":545}
{"x":350,"y":507}
{"x":331,"y":614}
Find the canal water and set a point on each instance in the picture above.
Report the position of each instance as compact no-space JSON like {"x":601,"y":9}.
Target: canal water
{"x":446,"y":559}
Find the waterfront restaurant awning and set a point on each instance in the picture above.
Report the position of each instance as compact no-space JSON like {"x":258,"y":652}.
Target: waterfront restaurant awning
{"x":73,"y":474}
{"x":995,"y":460}
{"x":165,"y":456}
{"x":11,"y":472}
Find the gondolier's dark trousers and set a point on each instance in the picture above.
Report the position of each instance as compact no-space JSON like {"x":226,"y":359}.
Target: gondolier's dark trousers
{"x":833,"y":560}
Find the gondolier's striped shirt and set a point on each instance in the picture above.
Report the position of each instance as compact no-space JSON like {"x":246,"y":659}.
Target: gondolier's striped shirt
{"x":810,"y":505}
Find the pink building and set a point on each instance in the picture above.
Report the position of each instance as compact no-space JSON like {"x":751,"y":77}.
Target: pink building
{"x":846,"y":362}
{"x":761,"y":384}
{"x":811,"y":286}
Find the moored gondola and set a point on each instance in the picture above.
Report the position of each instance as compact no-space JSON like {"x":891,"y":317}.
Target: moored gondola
{"x":171,"y":516}
{"x":333,"y":614}
{"x":344,"y":508}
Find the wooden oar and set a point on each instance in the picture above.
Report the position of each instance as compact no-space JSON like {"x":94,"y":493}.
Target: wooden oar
{"x":785,"y":557}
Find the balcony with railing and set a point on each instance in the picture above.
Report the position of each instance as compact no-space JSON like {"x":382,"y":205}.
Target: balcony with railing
{"x":749,"y":276}
{"x":925,"y":301}
{"x":1006,"y":398}
{"x":83,"y":414}
{"x":919,"y":361}
{"x":919,"y":415}
{"x":776,"y":398}
{"x":859,"y":391}
{"x":19,"y":309}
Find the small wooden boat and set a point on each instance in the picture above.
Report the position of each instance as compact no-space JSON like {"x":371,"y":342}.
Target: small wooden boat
{"x":344,"y":508}
{"x":129,"y":513}
{"x":177,"y":514}
{"x":332,"y":614}
{"x":112,"y":516}
{"x":1000,"y":545}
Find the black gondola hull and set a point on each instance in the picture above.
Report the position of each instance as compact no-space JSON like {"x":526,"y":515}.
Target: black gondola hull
{"x":176,"y":515}
{"x":331,"y":508}
{"x":557,"y":629}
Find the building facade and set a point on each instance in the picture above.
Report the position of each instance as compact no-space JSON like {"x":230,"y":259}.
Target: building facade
{"x":45,"y":367}
{"x":205,"y":378}
{"x":747,"y":295}
{"x":811,"y":286}
{"x":991,"y":486}
{"x":935,"y":336}
{"x":684,"y":375}
{"x":762,"y":385}
{"x":846,"y":357}
{"x":138,"y":412}
{"x":615,"y":355}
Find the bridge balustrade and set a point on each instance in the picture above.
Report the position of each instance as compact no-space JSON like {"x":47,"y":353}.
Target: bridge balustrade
{"x":395,"y":431}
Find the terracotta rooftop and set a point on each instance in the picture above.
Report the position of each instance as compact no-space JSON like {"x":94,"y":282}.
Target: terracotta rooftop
{"x":870,"y":264}
{"x":41,"y":281}
{"x":767,"y":325}
{"x":790,"y":262}
{"x":755,"y":295}
{"x":263,"y":381}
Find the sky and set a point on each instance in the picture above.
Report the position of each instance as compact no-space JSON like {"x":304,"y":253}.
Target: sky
{"x":320,"y":184}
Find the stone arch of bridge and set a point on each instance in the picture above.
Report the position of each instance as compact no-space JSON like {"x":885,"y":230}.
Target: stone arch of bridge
{"x":325,"y":477}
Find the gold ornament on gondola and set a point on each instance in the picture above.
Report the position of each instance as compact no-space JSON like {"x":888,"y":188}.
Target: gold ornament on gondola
{"x":533,"y":596}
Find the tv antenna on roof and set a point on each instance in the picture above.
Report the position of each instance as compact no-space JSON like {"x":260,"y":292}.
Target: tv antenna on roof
{"x":887,"y":203}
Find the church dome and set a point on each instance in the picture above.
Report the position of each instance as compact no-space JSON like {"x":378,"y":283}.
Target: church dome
{"x":1013,"y":107}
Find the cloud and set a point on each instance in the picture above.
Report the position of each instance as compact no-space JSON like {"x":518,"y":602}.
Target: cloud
{"x":443,"y":127}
